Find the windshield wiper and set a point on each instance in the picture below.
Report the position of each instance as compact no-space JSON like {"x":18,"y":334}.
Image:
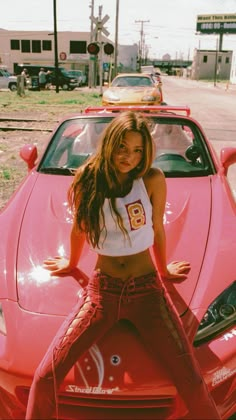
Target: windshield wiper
{"x":57,"y":171}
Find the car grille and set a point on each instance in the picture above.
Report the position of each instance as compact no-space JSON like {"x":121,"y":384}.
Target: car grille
{"x":74,"y":407}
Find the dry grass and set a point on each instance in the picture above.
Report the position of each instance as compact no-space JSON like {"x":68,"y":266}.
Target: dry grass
{"x":44,"y":105}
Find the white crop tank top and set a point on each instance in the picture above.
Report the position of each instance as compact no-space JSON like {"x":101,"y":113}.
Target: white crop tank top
{"x":136,"y":211}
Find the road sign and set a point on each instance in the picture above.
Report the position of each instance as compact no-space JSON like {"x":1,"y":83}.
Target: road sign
{"x":105,"y":19}
{"x":102,"y":23}
{"x":99,"y":25}
{"x":105,"y":31}
{"x":62,"y":55}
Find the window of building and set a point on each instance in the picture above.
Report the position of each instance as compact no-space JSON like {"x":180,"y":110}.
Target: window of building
{"x":78,"y":47}
{"x":220,"y":59}
{"x":36,"y":46}
{"x":47,"y":45}
{"x":25,"y":45}
{"x":15,"y":44}
{"x":227,"y":60}
{"x":204,"y":59}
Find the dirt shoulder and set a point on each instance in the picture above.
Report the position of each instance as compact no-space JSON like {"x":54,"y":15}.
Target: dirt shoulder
{"x":12,"y":168}
{"x":46,"y":109}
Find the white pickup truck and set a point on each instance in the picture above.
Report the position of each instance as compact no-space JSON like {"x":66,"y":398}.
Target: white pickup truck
{"x":7,"y":81}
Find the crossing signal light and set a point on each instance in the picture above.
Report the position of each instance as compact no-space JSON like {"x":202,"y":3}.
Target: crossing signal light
{"x":108,"y":49}
{"x":93,"y":48}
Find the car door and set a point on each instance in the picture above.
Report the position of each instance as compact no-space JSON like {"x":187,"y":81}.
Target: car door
{"x":3,"y":82}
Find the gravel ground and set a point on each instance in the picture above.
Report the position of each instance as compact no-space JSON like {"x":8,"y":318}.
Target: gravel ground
{"x":12,"y":168}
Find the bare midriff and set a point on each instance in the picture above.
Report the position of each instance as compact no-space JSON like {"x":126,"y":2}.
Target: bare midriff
{"x":126,"y":266}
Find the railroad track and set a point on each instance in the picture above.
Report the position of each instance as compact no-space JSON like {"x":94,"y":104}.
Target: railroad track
{"x":24,"y":124}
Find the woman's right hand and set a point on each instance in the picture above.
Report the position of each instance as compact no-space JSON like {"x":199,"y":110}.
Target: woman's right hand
{"x":177,"y":270}
{"x":58,"y":265}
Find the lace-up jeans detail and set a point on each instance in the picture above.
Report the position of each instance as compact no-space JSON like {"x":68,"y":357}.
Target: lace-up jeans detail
{"x":145,"y":302}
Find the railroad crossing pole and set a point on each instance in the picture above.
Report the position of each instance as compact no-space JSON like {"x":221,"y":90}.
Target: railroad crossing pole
{"x":99,"y":29}
{"x":91,"y":63}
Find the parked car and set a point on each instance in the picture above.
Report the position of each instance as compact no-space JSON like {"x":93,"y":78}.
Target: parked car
{"x":118,"y":378}
{"x":152,"y":71}
{"x":79,"y":75}
{"x":7,"y":80}
{"x":65,"y":80}
{"x":133,"y":89}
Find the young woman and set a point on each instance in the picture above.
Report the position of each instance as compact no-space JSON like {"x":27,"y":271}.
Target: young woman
{"x":118,"y":202}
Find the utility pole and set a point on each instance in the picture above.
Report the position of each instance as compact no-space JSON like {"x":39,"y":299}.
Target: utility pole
{"x":141,"y":44}
{"x":55,"y":44}
{"x":101,"y":49}
{"x":216,"y":62}
{"x":91,"y":63}
{"x":116,"y":38}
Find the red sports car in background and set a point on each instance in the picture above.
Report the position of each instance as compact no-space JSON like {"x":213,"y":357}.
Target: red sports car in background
{"x":118,"y":378}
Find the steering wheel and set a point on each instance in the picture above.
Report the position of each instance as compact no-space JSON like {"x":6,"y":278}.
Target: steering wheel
{"x":170,"y":156}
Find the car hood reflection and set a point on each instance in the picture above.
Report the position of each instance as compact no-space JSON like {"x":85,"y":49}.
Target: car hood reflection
{"x":45,"y":233}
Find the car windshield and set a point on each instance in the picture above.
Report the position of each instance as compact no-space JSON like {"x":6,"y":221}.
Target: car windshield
{"x":75,"y":72}
{"x":179,"y":147}
{"x":64,"y":72}
{"x":5,"y":73}
{"x":131,"y":81}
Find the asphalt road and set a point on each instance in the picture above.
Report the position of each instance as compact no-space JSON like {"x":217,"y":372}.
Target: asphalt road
{"x":213,"y":106}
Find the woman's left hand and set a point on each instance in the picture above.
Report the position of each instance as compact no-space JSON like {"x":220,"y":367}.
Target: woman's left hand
{"x":58,"y":265}
{"x":178,"y":270}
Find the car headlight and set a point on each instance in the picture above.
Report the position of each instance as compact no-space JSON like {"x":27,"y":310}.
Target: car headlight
{"x":3,"y":329}
{"x":220,"y":315}
{"x":148,"y":98}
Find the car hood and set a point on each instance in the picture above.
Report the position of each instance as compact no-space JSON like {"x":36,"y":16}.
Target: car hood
{"x":45,"y":231}
{"x":129,"y":92}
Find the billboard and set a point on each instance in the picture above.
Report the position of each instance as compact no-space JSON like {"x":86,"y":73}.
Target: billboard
{"x":217,"y":24}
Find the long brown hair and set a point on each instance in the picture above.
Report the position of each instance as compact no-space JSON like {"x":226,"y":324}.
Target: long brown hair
{"x":97,"y":178}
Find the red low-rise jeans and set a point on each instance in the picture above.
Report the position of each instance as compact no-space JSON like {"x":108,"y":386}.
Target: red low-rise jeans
{"x":145,"y":302}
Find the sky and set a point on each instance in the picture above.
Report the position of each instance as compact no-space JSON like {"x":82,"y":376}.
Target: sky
{"x":169,"y":26}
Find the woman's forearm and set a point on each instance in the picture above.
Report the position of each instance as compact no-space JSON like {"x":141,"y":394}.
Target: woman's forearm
{"x":77,"y":239}
{"x":159,"y":249}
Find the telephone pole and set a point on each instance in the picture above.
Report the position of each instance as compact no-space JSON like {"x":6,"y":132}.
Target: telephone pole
{"x":91,"y":63}
{"x":116,"y":38}
{"x":55,"y":44}
{"x":141,"y":44}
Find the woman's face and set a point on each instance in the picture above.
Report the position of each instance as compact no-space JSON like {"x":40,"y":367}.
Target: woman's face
{"x":129,"y":153}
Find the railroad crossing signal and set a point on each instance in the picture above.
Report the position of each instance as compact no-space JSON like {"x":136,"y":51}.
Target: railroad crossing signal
{"x":108,"y":48}
{"x":93,"y":48}
{"x":99,"y":25}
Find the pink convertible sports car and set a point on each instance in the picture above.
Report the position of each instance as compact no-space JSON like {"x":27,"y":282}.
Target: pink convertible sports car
{"x":118,"y":378}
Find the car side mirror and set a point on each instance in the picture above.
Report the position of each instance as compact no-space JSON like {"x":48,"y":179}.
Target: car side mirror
{"x":227,"y":158}
{"x":29,"y":154}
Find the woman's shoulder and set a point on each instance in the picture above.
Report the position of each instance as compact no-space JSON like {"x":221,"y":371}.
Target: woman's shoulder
{"x":154,"y":174}
{"x":154,"y":179}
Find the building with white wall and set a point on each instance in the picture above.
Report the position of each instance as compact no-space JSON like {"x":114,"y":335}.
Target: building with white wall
{"x":233,"y":69}
{"x":210,"y":65}
{"x":37,"y":47}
